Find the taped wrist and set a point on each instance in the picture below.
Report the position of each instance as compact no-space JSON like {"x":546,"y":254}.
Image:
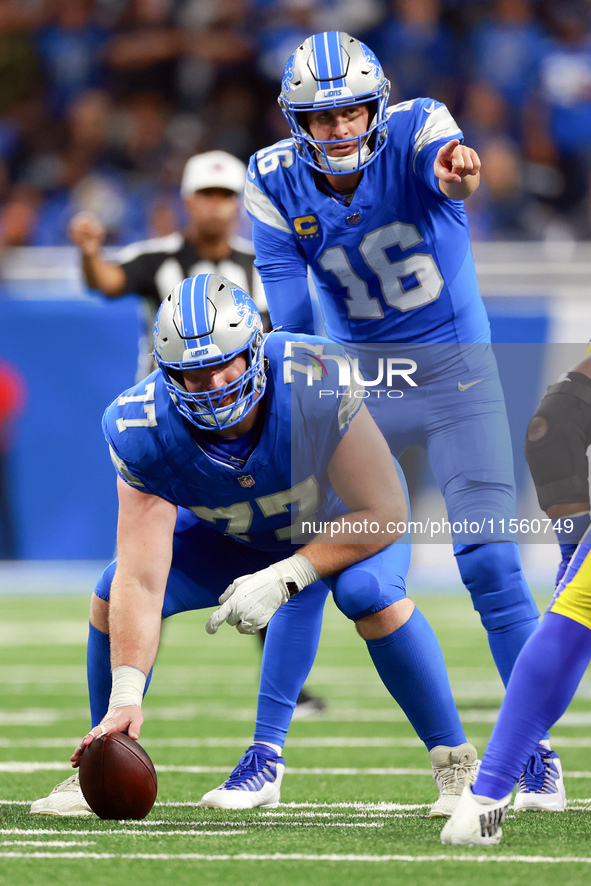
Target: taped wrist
{"x":128,"y":687}
{"x":297,"y":572}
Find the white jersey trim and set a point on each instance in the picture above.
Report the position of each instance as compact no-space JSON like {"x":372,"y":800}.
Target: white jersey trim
{"x":171,"y":243}
{"x":439,"y":124}
{"x":123,"y":469}
{"x":258,"y":205}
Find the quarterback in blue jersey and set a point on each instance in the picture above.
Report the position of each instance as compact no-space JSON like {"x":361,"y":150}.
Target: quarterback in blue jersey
{"x":239,"y":484}
{"x":368,"y":200}
{"x":552,"y":662}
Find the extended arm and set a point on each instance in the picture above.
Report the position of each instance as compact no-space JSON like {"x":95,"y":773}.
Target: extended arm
{"x":144,"y":554}
{"x":284,"y":273}
{"x":363,"y":475}
{"x":458,"y":169}
{"x":88,"y":234}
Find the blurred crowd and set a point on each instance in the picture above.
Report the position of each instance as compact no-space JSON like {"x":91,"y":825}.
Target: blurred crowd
{"x":103,"y":101}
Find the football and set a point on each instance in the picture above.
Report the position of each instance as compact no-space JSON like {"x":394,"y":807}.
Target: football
{"x":117,"y":777}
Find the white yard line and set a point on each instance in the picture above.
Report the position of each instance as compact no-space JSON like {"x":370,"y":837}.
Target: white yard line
{"x":230,"y":742}
{"x":297,"y":856}
{"x":53,"y":844}
{"x":214,"y":711}
{"x":18,"y":767}
{"x":562,"y":741}
{"x":189,"y":831}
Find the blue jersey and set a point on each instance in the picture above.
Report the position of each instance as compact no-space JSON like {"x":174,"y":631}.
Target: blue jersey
{"x":395,"y":264}
{"x":284,"y":480}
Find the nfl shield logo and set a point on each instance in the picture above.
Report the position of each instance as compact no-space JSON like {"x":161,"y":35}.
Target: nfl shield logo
{"x":247,"y":481}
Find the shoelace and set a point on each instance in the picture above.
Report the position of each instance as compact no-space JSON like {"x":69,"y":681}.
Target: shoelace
{"x":450,"y":775}
{"x":252,"y":771}
{"x":70,"y":784}
{"x":539,"y":775}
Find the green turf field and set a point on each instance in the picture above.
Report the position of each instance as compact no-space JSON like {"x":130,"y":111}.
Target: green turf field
{"x":356,"y":790}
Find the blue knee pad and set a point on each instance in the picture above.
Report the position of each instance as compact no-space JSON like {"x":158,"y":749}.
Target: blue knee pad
{"x":103,"y":585}
{"x":493,"y":575}
{"x":374,"y":584}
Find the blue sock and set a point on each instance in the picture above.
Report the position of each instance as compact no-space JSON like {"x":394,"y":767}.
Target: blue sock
{"x":288,"y":655}
{"x":412,"y":668}
{"x":98,"y":674}
{"x":493,"y":575}
{"x":543,"y":682}
{"x":506,"y":645}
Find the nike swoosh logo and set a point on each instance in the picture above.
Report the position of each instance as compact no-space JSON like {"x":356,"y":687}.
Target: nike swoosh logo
{"x":430,"y":109}
{"x":470,"y":384}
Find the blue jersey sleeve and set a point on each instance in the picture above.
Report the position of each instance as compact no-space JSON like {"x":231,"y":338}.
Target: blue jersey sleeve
{"x":434,"y":127}
{"x":284,"y":273}
{"x":133,"y":454}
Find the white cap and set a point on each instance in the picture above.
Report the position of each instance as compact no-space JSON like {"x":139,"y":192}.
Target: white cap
{"x":215,"y":169}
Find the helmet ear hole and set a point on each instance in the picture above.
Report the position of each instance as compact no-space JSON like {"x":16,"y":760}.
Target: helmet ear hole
{"x":302,"y":119}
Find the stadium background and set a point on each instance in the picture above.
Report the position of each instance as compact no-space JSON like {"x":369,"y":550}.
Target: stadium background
{"x":102,"y":102}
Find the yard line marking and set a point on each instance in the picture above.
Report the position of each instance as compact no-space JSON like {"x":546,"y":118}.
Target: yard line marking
{"x":294,"y":743}
{"x":59,"y":844}
{"x":358,"y":742}
{"x":296,"y":856}
{"x":190,"y":832}
{"x":576,"y":805}
{"x":381,"y":807}
{"x":44,"y":832}
{"x":18,"y":767}
{"x":288,"y":815}
{"x":214,"y":711}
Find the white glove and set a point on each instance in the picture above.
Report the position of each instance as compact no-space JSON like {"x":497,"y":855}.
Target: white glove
{"x":251,"y":600}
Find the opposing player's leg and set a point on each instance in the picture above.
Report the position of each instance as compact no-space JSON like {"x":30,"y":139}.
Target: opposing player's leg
{"x":557,"y":440}
{"x":408,"y":658}
{"x":542,"y":685}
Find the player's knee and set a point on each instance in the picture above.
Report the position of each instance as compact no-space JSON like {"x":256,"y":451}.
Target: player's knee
{"x":386,"y":621}
{"x":556,"y":443}
{"x":493,"y":575}
{"x":99,"y":614}
{"x":360,"y":591}
{"x":99,"y":602}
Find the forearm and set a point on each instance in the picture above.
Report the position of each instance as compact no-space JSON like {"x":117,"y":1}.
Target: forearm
{"x":135,"y":615}
{"x":107,"y":277}
{"x":350,"y":539}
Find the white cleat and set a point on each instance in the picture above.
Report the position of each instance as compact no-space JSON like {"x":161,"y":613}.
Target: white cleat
{"x":65,"y":799}
{"x":255,"y":782}
{"x":453,"y":769}
{"x":541,"y":786}
{"x":476,"y":821}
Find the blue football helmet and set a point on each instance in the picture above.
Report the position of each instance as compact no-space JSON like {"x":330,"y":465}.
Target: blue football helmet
{"x":332,"y":70}
{"x":207,"y":320}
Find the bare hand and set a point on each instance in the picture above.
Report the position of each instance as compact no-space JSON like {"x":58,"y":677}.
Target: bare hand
{"x":455,"y":161}
{"x":128,"y":718}
{"x":86,"y":232}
